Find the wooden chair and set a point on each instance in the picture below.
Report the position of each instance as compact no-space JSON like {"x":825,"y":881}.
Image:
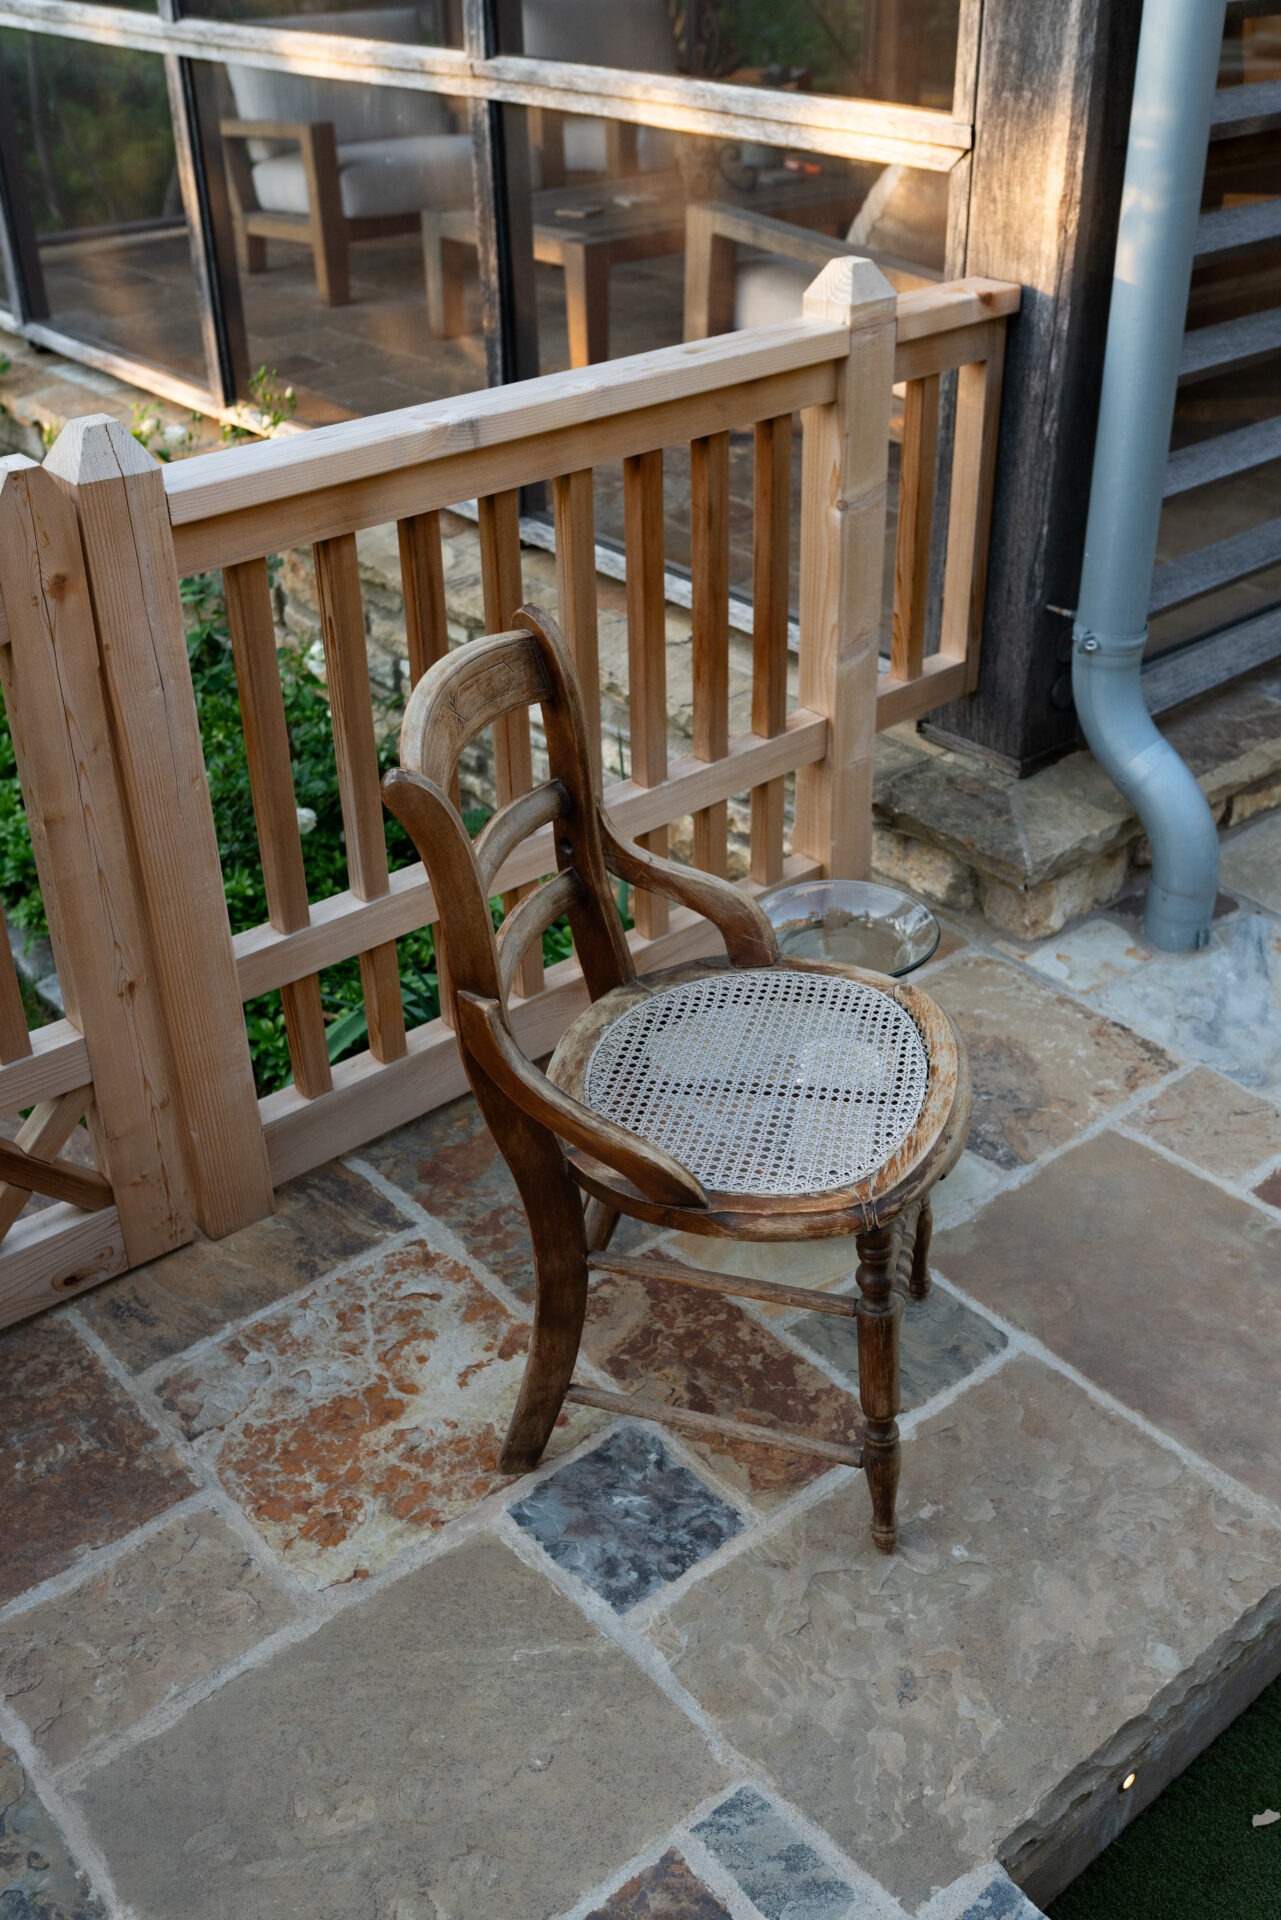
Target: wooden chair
{"x":751,"y":1098}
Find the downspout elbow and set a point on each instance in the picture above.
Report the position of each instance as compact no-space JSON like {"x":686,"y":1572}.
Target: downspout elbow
{"x":1158,"y":784}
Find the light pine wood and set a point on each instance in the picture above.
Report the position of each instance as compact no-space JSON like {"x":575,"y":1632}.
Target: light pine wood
{"x":709,"y":566}
{"x":15,"y":1041}
{"x":342,"y":629}
{"x":262,"y":709}
{"x":44,"y":1133}
{"x":422,"y":579}
{"x":513,"y":761}
{"x":56,"y":1254}
{"x":941,"y":678}
{"x":978,"y":408}
{"x":118,"y":493}
{"x":843,"y":490}
{"x":771,"y":568}
{"x":574,"y":516}
{"x":59,"y":1180}
{"x":915,"y":520}
{"x":57,"y":1063}
{"x":53,"y":691}
{"x":646,"y":650}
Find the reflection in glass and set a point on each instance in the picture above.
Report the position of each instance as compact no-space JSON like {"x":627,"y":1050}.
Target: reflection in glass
{"x":429,"y":23}
{"x":896,"y":50}
{"x":329,"y":182}
{"x":92,"y":124}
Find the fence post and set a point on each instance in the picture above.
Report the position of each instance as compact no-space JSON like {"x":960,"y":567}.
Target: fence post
{"x":58,"y":721}
{"x":119,"y":495}
{"x":845,"y":469}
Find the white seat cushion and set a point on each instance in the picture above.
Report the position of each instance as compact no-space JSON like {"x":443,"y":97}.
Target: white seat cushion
{"x":378,"y":177}
{"x":585,"y":149}
{"x":770,"y":289}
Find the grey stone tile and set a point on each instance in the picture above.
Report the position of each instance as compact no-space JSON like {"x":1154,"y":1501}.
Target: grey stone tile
{"x":1002,"y":1900}
{"x":1043,"y":1066}
{"x":462,"y":1743}
{"x":1214,"y":1123}
{"x":1221,"y":1007}
{"x":626,"y":1518}
{"x":38,"y":1878}
{"x":1252,"y":863}
{"x":1057,"y":1570}
{"x":780,"y":1872}
{"x":941,"y":1339}
{"x":94,"y":1660}
{"x":1153,"y":1282}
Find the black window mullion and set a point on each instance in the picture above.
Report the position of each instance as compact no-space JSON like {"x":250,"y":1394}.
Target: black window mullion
{"x":504,"y":216}
{"x":18,"y":246}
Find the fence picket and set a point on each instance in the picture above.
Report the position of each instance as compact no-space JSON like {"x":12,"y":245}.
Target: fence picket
{"x":262,"y":708}
{"x":574,"y":516}
{"x":513,"y":760}
{"x":915,"y":521}
{"x":771,"y":569}
{"x":646,"y":652}
{"x":342,"y":629}
{"x":709,"y":566}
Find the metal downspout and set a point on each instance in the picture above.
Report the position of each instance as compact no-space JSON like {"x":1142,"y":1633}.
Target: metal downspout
{"x":1165,"y":166}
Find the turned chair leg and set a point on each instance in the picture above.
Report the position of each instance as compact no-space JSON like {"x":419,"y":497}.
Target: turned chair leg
{"x":878,"y":1317}
{"x":599,"y":1222}
{"x":919,"y":1283}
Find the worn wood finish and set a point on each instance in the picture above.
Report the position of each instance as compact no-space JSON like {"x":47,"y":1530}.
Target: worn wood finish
{"x":267,"y":754}
{"x":646,"y":649}
{"x":543,"y":1124}
{"x":919,"y":1278}
{"x":771,"y":558}
{"x":636,"y":1407}
{"x":709,"y":566}
{"x":118,"y":493}
{"x":879,"y":1313}
{"x":843,"y":490}
{"x":56,"y":1254}
{"x":53,"y":692}
{"x":704,"y":1280}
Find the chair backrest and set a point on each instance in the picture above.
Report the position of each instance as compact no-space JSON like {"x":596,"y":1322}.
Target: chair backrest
{"x":475,"y":687}
{"x":356,"y":112}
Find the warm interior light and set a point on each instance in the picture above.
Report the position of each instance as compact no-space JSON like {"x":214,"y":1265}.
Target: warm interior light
{"x":1128,"y":1782}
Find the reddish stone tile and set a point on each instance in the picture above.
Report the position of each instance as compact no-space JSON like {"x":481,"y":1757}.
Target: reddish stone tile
{"x":362,"y":1415}
{"x":1043,"y":1067}
{"x":703,"y":1351}
{"x":79,"y":1464}
{"x":665,"y":1891}
{"x":448,"y":1163}
{"x":1155,"y":1283}
{"x":157,"y":1311}
{"x":1214,"y":1123}
{"x":1270,"y":1189}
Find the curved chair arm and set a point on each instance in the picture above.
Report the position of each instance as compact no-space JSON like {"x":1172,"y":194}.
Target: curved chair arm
{"x":654,"y":1173}
{"x":749,"y":937}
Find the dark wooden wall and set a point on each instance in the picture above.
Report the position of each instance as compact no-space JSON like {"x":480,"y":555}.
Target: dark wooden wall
{"x":1051,"y":117}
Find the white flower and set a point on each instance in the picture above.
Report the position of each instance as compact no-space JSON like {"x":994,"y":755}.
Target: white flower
{"x":306,"y":819}
{"x":175,"y":434}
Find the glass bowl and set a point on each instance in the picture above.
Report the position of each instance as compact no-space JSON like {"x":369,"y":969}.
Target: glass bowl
{"x":853,"y":921}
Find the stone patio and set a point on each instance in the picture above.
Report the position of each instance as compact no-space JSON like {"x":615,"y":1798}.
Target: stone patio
{"x":276,"y":1641}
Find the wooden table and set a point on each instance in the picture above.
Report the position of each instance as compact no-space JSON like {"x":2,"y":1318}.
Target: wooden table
{"x":586,"y":230}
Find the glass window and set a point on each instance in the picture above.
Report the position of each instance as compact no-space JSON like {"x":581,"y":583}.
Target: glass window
{"x":94,"y":130}
{"x":895,"y":50}
{"x":331,"y":243}
{"x":426,"y":23}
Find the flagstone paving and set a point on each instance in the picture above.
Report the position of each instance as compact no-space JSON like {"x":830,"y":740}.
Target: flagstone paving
{"x":277,"y":1640}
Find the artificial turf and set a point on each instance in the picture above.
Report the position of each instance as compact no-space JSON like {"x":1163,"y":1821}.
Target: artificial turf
{"x":1194,"y":1855}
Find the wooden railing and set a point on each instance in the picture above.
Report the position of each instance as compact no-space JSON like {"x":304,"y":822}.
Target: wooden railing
{"x":103,"y":525}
